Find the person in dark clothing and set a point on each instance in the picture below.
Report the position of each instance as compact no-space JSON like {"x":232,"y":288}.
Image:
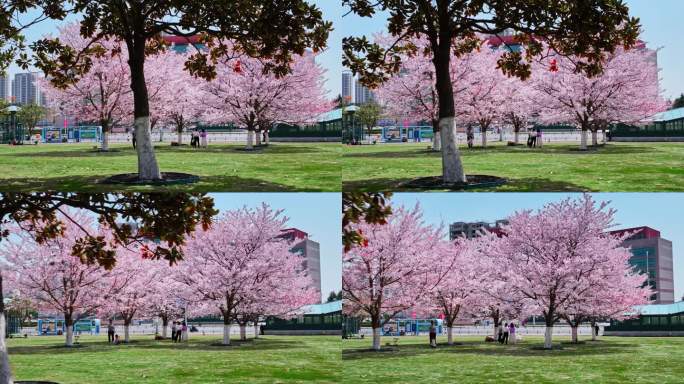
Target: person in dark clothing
{"x":110,"y":333}
{"x":504,"y":340}
{"x":596,"y":329}
{"x":133,"y":140}
{"x":433,"y":334}
{"x":174,"y":331}
{"x":500,"y":335}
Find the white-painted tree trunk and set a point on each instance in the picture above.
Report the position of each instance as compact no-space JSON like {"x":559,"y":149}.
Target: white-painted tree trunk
{"x":437,"y":142}
{"x":501,"y":135}
{"x":376,"y":339}
{"x":226,"y":334}
{"x":450,"y":335}
{"x":267,"y":138}
{"x":594,"y":138}
{"x":69,"y":335}
{"x":483,"y":133}
{"x":105,"y":140}
{"x":250,"y":139}
{"x":256,"y":330}
{"x":148,"y":169}
{"x":548,"y":333}
{"x":5,"y":369}
{"x":180,"y":137}
{"x":605,"y":138}
{"x":164,"y":327}
{"x":257,"y":137}
{"x":126,"y":333}
{"x":583,"y":140}
{"x":516,"y":136}
{"x":593,"y":333}
{"x":573,"y":330}
{"x":243,"y":331}
{"x":452,"y":168}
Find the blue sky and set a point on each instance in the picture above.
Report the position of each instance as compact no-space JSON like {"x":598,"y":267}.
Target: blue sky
{"x":661,"y":211}
{"x":661,"y":22}
{"x":318,"y":214}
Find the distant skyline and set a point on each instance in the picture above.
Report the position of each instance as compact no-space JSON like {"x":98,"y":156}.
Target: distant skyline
{"x":661,"y":211}
{"x":318,"y":214}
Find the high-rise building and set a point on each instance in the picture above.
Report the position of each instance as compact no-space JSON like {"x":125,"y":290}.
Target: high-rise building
{"x":362,"y":94}
{"x":347,"y":86}
{"x":652,"y":255}
{"x":25,"y":91}
{"x":5,"y":88}
{"x":473,"y":229}
{"x":311,"y":250}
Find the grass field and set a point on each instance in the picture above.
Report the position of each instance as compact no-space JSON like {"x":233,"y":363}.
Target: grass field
{"x":76,"y":167}
{"x":270,"y":359}
{"x":617,"y":167}
{"x":608,"y":360}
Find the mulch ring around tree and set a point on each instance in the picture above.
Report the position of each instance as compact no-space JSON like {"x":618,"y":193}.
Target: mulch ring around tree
{"x":168,"y":178}
{"x":437,"y":182}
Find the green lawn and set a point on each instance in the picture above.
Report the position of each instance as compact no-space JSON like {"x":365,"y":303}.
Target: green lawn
{"x":271,"y":359}
{"x":75,"y":167}
{"x":617,"y":167}
{"x":608,"y":360}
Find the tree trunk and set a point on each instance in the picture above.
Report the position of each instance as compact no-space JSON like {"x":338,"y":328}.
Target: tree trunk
{"x":573,"y":329}
{"x":257,"y":137}
{"x":594,"y":138}
{"x":226,"y":334}
{"x":516,"y":136}
{"x":548,"y":333}
{"x":180,"y":137}
{"x":243,"y":332}
{"x":450,"y":335}
{"x":105,"y":136}
{"x":250,"y":139}
{"x":376,"y":338}
{"x":267,"y":138}
{"x":69,"y":335}
{"x":256,"y":330}
{"x":5,"y":369}
{"x":148,"y":169}
{"x":452,"y":168}
{"x":483,"y":132}
{"x":436,"y":136}
{"x":583,"y":142}
{"x":126,"y":333}
{"x":594,"y":334}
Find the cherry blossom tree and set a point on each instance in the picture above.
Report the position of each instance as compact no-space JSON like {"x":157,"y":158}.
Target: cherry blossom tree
{"x":551,"y":256}
{"x":518,"y":107}
{"x":131,"y":283}
{"x":484,"y":97}
{"x":626,"y":92}
{"x":55,"y":280}
{"x":165,"y":295}
{"x":235,"y":264}
{"x":103,"y":95}
{"x":392,"y":269}
{"x":243,"y":93}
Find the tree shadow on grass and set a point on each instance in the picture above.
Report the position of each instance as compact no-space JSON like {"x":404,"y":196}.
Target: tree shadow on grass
{"x":520,"y":184}
{"x":262,"y":344}
{"x":478,"y":348}
{"x":92,"y":184}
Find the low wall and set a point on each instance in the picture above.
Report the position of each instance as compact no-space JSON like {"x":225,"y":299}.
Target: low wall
{"x":530,"y":330}
{"x":306,"y":139}
{"x":644,"y":333}
{"x":301,"y":332}
{"x":649,"y":139}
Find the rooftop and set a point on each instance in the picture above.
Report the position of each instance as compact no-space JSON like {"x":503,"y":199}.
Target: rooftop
{"x":673,"y":114}
{"x":319,"y":309}
{"x":662,"y":309}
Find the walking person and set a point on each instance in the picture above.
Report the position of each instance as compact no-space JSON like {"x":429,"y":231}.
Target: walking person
{"x":194,"y":139}
{"x":511,"y":332}
{"x":499,"y":331}
{"x":173,"y":331}
{"x":133,"y":140}
{"x":110,"y":332}
{"x":184,"y":332}
{"x":470,"y":136}
{"x":538,"y":137}
{"x":504,"y":340}
{"x":433,"y":334}
{"x":203,"y":137}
